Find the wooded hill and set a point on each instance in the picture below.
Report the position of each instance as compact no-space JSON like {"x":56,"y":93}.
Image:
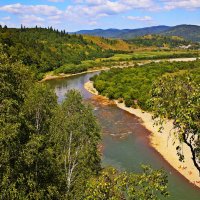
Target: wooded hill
{"x":188,"y":32}
{"x":108,"y":43}
{"x":45,"y":49}
{"x":124,"y":33}
{"x":162,"y":41}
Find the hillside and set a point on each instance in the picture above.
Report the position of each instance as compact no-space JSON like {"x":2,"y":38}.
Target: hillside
{"x":144,"y":31}
{"x":109,"y":33}
{"x":162,"y":41}
{"x":124,"y":33}
{"x":188,"y":32}
{"x":45,"y":49}
{"x":112,"y":44}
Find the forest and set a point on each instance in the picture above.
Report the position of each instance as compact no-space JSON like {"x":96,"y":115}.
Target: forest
{"x":170,"y":90}
{"x":162,"y":41}
{"x":49,"y":150}
{"x":139,"y":80}
{"x":47,"y":49}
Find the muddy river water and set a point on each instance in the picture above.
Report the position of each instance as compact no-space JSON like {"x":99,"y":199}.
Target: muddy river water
{"x":125,"y":141}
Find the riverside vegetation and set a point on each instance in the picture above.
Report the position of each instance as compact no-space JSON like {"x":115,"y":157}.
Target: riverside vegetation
{"x":169,"y":90}
{"x":46,"y":49}
{"x":49,"y":150}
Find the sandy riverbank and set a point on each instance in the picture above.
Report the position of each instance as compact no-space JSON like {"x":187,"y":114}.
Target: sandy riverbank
{"x":162,"y":142}
{"x":51,"y":76}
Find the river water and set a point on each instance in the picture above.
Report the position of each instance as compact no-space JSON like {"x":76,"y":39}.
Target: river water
{"x":125,"y":141}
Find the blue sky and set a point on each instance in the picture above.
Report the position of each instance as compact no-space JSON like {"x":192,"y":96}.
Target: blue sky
{"x":73,"y":15}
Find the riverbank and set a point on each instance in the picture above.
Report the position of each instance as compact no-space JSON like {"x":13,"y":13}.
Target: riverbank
{"x":51,"y":76}
{"x":162,"y":142}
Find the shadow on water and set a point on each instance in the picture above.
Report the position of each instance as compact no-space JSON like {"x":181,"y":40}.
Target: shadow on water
{"x":125,"y":140}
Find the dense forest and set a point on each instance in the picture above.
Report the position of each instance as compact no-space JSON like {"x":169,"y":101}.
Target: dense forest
{"x":169,"y":90}
{"x":189,"y":32}
{"x":162,"y":41}
{"x":138,"y":81}
{"x":49,"y":150}
{"x":45,"y":49}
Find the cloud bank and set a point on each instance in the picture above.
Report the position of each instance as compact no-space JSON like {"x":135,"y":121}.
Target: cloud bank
{"x":91,"y":11}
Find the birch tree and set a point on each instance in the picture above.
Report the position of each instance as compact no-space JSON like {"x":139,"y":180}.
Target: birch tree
{"x":75,"y":135}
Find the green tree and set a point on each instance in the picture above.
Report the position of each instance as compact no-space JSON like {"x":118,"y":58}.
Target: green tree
{"x":114,"y":185}
{"x":74,"y":136}
{"x":15,"y":80}
{"x":177,"y":97}
{"x":34,"y":163}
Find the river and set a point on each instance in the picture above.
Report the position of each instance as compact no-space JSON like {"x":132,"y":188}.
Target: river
{"x":125,"y":141}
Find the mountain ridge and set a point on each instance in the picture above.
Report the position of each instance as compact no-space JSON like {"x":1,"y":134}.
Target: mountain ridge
{"x":188,"y":32}
{"x":115,"y":33}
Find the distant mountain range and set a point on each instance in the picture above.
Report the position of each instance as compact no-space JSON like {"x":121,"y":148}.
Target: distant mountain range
{"x":188,"y":32}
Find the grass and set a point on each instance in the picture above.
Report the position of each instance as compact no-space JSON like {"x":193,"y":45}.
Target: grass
{"x":115,"y":60}
{"x":143,"y":55}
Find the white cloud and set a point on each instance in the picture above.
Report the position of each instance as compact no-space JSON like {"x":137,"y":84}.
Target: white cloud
{"x":55,"y":19}
{"x":90,"y":12}
{"x":30,"y":9}
{"x":136,"y":18}
{"x":185,"y":4}
{"x":32,"y":20}
{"x":102,"y":8}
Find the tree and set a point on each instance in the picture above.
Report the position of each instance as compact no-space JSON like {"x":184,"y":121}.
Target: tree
{"x":35,"y":162}
{"x":15,"y":80}
{"x":113,"y":185}
{"x":177,"y":97}
{"x":74,"y":138}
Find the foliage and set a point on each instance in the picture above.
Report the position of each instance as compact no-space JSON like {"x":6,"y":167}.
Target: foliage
{"x":49,"y":150}
{"x":72,"y":68}
{"x":167,"y":56}
{"x":177,"y":97}
{"x":114,"y":185}
{"x":189,"y":32}
{"x":74,"y":144}
{"x":113,"y":44}
{"x":46,"y":49}
{"x":134,"y":84}
{"x":36,"y":135}
{"x":153,"y":55}
{"x":159,"y":41}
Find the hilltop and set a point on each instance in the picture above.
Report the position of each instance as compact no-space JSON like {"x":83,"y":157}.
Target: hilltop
{"x":188,"y":32}
{"x":124,"y":33}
